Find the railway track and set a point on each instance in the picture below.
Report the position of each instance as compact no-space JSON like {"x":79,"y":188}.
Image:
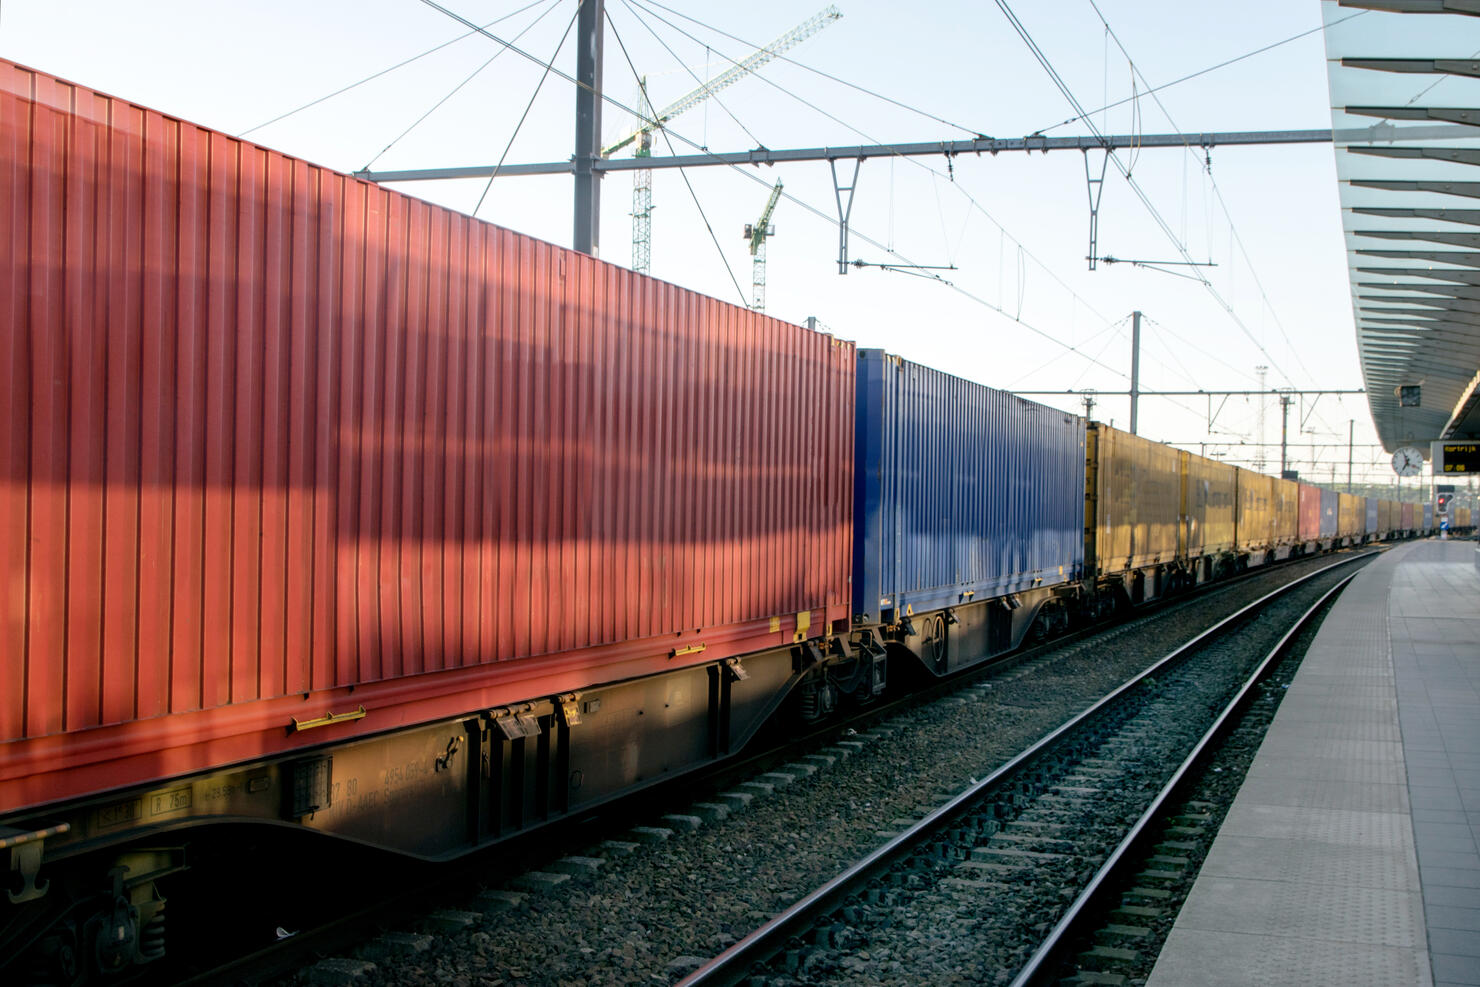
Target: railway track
{"x":444,"y":913}
{"x":970,"y":890}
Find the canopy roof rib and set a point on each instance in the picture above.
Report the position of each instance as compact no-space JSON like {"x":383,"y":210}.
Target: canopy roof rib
{"x":1413,"y":247}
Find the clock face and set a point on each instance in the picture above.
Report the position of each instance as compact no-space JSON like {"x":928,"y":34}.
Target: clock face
{"x":1408,"y":461}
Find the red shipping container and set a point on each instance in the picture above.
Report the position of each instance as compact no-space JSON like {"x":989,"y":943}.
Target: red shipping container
{"x":1310,"y":513}
{"x":271,"y":435}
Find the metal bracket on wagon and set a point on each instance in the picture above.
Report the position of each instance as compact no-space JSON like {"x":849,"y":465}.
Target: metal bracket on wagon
{"x":328,"y":720}
{"x":877,"y":662}
{"x":25,"y":848}
{"x":515,"y":723}
{"x":570,"y":708}
{"x":737,"y":671}
{"x":804,"y":624}
{"x":806,"y":655}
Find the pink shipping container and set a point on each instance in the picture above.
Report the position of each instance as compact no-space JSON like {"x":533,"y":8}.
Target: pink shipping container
{"x":276,"y":442}
{"x":1310,"y":513}
{"x":1408,"y":522}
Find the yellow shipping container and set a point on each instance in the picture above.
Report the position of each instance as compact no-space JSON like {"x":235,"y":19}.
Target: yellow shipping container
{"x":1387,"y":516}
{"x":1256,"y":520}
{"x":1351,"y":516}
{"x":1209,"y":507}
{"x":1137,"y":508}
{"x":1287,"y":511}
{"x":1268,"y":512}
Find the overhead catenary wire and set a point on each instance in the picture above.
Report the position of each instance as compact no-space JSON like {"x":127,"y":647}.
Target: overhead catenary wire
{"x":693,"y":75}
{"x":955,"y":287}
{"x":1205,"y":163}
{"x":459,"y":87}
{"x":1068,"y":94}
{"x":1235,"y":237}
{"x":682,"y":172}
{"x":1201,"y":72}
{"x":737,"y":169}
{"x":970,"y":199}
{"x":826,"y":75}
{"x":525,"y":115}
{"x":386,"y":71}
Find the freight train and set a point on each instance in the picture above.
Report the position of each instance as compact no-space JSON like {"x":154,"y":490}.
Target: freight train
{"x":326,"y":509}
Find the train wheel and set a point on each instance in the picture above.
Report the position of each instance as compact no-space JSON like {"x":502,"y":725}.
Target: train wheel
{"x":934,"y":648}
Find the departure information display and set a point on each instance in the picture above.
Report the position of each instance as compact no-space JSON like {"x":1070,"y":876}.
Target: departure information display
{"x":1461,"y":457}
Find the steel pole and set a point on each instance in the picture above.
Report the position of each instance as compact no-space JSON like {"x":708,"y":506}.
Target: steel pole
{"x":587,"y":233}
{"x":1284,"y":434}
{"x":1351,"y":428}
{"x":1135,"y":367}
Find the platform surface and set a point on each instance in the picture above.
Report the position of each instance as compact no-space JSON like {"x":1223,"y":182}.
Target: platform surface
{"x":1350,"y":853}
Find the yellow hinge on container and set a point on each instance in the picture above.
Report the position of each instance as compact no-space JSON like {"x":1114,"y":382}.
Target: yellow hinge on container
{"x":330,"y":720}
{"x":804,"y":623}
{"x":688,"y":649}
{"x":775,"y":624}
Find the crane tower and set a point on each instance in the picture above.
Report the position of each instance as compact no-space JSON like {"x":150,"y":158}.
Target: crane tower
{"x":758,"y":233}
{"x":642,"y":178}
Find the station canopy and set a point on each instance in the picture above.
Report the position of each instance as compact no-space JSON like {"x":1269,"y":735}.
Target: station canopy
{"x":1405,"y":98}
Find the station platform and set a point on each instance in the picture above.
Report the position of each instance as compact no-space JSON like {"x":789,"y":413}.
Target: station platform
{"x":1350,"y":854}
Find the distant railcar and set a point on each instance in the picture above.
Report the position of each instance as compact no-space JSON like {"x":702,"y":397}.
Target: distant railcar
{"x":1135,"y":494}
{"x":966,"y":497}
{"x":1210,"y":497}
{"x":1350,"y":518}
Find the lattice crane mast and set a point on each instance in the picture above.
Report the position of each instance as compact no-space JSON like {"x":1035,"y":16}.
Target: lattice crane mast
{"x":642,"y":179}
{"x":757,"y":234}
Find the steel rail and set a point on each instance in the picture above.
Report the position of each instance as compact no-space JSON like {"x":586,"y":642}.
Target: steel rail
{"x":1043,"y":966}
{"x":733,"y":965}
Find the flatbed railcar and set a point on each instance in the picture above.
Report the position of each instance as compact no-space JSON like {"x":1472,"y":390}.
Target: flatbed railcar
{"x":969,"y":513}
{"x":324,"y":507}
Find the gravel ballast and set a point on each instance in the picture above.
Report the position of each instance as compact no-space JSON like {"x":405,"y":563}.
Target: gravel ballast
{"x":653,"y":912}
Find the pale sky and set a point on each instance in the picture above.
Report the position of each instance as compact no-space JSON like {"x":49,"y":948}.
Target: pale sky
{"x":1015,"y":227}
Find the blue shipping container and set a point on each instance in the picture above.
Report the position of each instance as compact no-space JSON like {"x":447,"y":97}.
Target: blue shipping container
{"x":961,"y":492}
{"x":1330,"y":512}
{"x":1428,"y":515}
{"x":1370,"y":527}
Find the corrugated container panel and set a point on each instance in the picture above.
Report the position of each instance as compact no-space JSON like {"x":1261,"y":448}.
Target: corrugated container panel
{"x":1461,"y":517}
{"x":1350,"y":515}
{"x":1387,"y":515}
{"x":1406,"y":524}
{"x":267,"y":430}
{"x":1371,"y":515}
{"x":1428,"y":516}
{"x":1257,"y":520}
{"x":1211,"y":495}
{"x":1139,"y":504}
{"x":1330,"y":512}
{"x":1310,"y":512}
{"x":960,"y":488}
{"x":1287,"y":509}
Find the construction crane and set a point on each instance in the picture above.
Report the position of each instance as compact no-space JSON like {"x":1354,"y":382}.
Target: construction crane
{"x":757,"y":233}
{"x":642,"y":178}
